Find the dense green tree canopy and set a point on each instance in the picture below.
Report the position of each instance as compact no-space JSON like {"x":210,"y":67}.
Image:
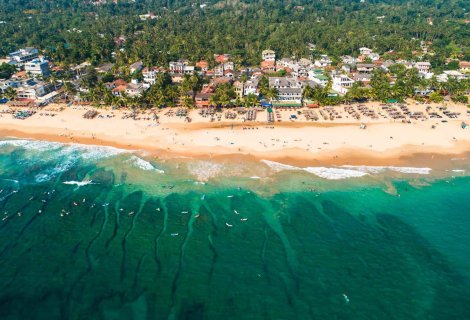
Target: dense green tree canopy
{"x":71,"y":31}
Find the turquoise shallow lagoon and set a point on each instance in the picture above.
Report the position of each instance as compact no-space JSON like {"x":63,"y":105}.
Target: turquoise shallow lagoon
{"x":99,"y":233}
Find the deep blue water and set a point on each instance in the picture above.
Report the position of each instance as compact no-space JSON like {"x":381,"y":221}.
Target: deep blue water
{"x":96,"y":233}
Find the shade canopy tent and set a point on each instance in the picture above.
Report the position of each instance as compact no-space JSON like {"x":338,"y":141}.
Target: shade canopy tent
{"x":266,"y":104}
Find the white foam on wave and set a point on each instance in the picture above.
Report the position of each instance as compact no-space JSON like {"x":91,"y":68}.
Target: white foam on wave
{"x":91,"y":152}
{"x":411,"y":170}
{"x":322,"y":172}
{"x":51,"y":173}
{"x":79,"y":183}
{"x":143,"y":164}
{"x":458,"y":171}
{"x":255,"y":177}
{"x":36,"y":145}
{"x":380,"y":169}
{"x":86,"y":152}
{"x":63,"y":155}
{"x":335,"y":173}
{"x":347,"y":171}
{"x":279,"y":166}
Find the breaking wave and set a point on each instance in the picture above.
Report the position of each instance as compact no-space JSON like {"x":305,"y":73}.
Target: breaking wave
{"x":143,"y":164}
{"x":31,"y":144}
{"x":347,"y":171}
{"x":85,"y":152}
{"x":79,"y":183}
{"x":50,"y":173}
{"x":379,"y":169}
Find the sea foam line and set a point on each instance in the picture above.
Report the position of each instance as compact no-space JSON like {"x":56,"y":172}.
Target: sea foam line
{"x":379,"y":169}
{"x":347,"y":171}
{"x":86,"y":152}
{"x":335,"y":173}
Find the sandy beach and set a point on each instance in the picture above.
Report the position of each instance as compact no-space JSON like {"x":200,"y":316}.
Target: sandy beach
{"x":336,"y":138}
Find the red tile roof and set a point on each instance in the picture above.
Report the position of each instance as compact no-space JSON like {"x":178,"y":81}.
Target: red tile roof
{"x":202,"y":64}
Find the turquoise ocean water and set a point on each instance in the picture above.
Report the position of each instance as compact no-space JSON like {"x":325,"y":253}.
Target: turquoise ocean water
{"x":99,"y":233}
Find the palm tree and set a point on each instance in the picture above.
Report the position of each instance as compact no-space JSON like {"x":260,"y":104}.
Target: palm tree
{"x":434,"y":84}
{"x":224,"y":99}
{"x":187,"y":101}
{"x":213,"y":100}
{"x":272,"y":94}
{"x":195,"y":83}
{"x":95,"y":95}
{"x":123,"y":100}
{"x":171,"y":94}
{"x":135,"y":102}
{"x":307,"y":93}
{"x":10,"y":93}
{"x":244,"y":78}
{"x":156,"y":96}
{"x":53,"y":80}
{"x":69,"y":90}
{"x":397,"y":92}
{"x":251,"y":100}
{"x":108,"y":98}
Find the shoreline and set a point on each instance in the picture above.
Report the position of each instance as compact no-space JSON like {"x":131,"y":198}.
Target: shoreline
{"x":297,"y":143}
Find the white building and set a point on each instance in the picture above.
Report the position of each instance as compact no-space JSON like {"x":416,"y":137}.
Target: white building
{"x":149,"y":77}
{"x":148,"y":16}
{"x":423,"y":67}
{"x":286,"y":63}
{"x":342,"y":83}
{"x":365,"y":67}
{"x":224,"y":68}
{"x":35,"y":90}
{"x":134,"y":89}
{"x":348,"y":60}
{"x":22,"y":56}
{"x":268,"y":55}
{"x":319,"y":79}
{"x":365,"y":51}
{"x":362,"y":77}
{"x":181,"y":67}
{"x":284,"y":82}
{"x":251,"y":87}
{"x":229,"y":65}
{"x":37,"y":68}
{"x":444,"y":77}
{"x":374,"y":56}
{"x":299,"y":71}
{"x":323,"y":62}
{"x":293,"y":95}
{"x":289,"y":89}
{"x":305,"y":62}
